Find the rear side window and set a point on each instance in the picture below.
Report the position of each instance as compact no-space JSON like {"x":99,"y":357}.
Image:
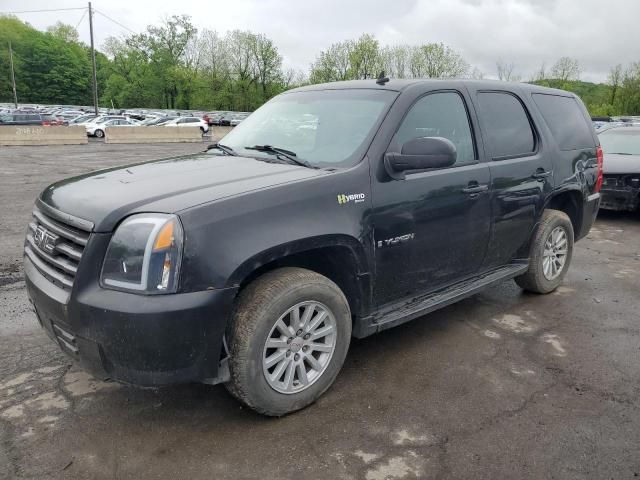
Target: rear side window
{"x":506,"y":124}
{"x":565,"y":120}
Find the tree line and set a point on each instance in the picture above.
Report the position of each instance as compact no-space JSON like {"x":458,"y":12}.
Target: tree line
{"x":173,"y":65}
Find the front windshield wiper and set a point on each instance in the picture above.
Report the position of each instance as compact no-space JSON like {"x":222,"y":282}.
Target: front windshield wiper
{"x":288,"y":154}
{"x":619,"y":153}
{"x":224,"y":148}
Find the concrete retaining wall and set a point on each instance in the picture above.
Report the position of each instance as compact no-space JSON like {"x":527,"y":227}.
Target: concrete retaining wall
{"x":39,"y":135}
{"x":152,"y":135}
{"x":217,"y":133}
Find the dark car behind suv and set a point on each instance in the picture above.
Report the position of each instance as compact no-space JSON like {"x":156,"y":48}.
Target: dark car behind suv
{"x":621,"y":186}
{"x":333,"y":211}
{"x":21,"y":119}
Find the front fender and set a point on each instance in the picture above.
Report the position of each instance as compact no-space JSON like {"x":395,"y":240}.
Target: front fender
{"x":226,"y":240}
{"x":300,"y":246}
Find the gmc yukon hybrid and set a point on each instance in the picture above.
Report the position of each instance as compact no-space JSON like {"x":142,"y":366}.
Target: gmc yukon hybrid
{"x":333,"y":211}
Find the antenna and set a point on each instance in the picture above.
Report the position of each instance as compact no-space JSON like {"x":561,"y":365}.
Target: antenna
{"x":382,"y":79}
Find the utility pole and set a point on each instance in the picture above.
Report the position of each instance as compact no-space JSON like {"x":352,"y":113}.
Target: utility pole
{"x":13,"y":77}
{"x":93,"y":62}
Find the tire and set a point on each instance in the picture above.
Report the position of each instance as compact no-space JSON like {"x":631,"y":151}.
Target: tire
{"x":202,"y":132}
{"x":99,"y":133}
{"x":541,"y":278}
{"x":259,"y":307}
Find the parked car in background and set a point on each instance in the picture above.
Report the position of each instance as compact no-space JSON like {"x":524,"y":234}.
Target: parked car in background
{"x":216,"y":118}
{"x":188,"y":122}
{"x":158,"y":121}
{"x":621,"y":183}
{"x":225,"y":120}
{"x":208,"y":117}
{"x":103,"y":118}
{"x":69,"y":114}
{"x":148,"y":119}
{"x":97,"y":129}
{"x":27,"y":119}
{"x":83,"y":118}
{"x":53,"y":120}
{"x":238,"y":118}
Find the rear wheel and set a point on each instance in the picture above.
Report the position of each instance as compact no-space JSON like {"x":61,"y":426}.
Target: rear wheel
{"x":550,"y":256}
{"x":99,"y":133}
{"x":288,"y":340}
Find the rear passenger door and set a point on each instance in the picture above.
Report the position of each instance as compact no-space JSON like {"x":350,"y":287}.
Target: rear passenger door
{"x":521,"y":172}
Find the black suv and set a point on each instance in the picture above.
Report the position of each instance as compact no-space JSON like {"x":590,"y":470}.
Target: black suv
{"x":333,"y":211}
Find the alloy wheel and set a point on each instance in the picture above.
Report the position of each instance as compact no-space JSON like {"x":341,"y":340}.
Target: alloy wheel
{"x":555,"y":253}
{"x":299,"y":347}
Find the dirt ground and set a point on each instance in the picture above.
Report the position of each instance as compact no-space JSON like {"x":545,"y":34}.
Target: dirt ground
{"x":501,"y":385}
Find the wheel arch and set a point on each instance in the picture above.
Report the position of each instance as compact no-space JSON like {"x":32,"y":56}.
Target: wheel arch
{"x":569,"y":201}
{"x":341,"y":258}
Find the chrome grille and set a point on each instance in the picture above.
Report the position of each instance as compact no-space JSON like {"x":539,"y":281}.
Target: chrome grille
{"x":55,"y":248}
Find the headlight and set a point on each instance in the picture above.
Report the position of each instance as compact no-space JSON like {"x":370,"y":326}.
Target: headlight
{"x":144,"y":255}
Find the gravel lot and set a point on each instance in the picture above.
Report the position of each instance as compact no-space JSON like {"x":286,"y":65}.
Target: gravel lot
{"x":501,"y":385}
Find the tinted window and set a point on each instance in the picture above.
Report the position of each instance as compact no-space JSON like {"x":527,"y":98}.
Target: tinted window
{"x":566,"y":121}
{"x":506,"y":124}
{"x":440,"y":115}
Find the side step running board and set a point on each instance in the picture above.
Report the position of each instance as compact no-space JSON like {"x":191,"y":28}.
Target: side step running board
{"x":399,"y":313}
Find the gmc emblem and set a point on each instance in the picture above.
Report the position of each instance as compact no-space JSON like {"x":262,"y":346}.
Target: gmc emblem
{"x":45,"y":240}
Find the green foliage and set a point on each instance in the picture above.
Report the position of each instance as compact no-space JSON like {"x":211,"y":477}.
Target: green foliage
{"x":620,"y":97}
{"x":364,"y":58}
{"x":49,"y":68}
{"x":176,"y":67}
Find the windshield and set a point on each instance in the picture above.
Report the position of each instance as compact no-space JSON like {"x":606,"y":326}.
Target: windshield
{"x":325,"y":127}
{"x":621,"y":141}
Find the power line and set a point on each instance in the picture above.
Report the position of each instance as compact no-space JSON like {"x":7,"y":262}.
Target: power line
{"x":41,"y":11}
{"x":81,"y":18}
{"x":114,"y":21}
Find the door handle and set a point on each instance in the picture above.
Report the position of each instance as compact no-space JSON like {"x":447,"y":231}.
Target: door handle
{"x":475,"y":188}
{"x":540,"y":174}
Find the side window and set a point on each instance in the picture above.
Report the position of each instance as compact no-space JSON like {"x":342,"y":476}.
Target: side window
{"x":506,"y":124}
{"x":566,"y":121}
{"x":440,"y":115}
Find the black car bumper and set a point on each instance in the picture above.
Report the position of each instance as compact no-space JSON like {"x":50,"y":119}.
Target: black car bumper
{"x":620,"y":198}
{"x":141,"y":340}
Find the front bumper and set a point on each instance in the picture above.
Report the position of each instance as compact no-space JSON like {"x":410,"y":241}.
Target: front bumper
{"x":620,"y":198}
{"x":141,"y":340}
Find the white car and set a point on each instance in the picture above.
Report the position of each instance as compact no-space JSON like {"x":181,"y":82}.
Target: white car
{"x":188,"y":122}
{"x":103,"y":118}
{"x":97,"y":129}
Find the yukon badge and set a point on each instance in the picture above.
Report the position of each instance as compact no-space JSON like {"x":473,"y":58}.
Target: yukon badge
{"x":388,"y":242}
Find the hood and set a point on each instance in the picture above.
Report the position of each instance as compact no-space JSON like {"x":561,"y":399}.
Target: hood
{"x":619,"y":164}
{"x":166,"y":186}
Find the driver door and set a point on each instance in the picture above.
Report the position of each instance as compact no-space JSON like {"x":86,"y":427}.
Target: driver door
{"x":432,"y":228}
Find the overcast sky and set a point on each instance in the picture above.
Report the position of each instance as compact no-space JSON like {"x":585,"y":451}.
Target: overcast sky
{"x":599,"y":33}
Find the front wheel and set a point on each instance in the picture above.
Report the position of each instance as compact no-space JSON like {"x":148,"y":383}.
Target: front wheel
{"x":287,"y":341}
{"x":551,"y":251}
{"x":99,"y":133}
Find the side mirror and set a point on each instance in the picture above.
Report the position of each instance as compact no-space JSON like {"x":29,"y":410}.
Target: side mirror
{"x":420,"y":154}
